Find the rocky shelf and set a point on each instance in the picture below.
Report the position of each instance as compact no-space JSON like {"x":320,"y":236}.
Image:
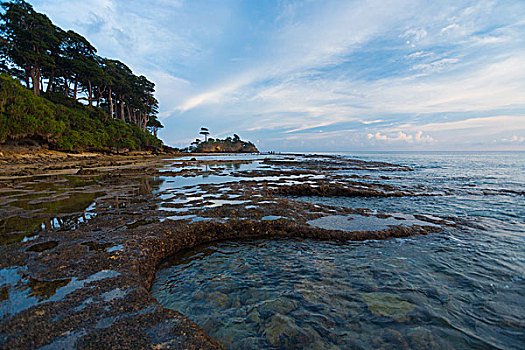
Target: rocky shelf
{"x":86,"y":284}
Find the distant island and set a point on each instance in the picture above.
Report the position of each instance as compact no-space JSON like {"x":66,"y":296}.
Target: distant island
{"x":228,"y":145}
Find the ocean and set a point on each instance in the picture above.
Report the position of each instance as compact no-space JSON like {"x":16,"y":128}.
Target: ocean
{"x":461,"y":288}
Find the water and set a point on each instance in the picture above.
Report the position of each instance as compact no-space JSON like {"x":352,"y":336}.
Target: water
{"x":42,"y":204}
{"x":461,"y":288}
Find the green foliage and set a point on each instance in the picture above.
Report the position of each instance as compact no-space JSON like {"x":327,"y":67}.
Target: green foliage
{"x":40,"y":54}
{"x":64,"y":123}
{"x":227,"y":145}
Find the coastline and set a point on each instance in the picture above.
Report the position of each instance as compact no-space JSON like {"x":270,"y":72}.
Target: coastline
{"x":89,"y":285}
{"x":22,"y":162}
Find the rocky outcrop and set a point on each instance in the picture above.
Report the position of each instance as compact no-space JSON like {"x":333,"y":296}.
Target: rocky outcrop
{"x":227,"y":147}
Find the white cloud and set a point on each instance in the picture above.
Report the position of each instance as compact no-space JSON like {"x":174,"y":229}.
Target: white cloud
{"x":415,"y":34}
{"x":367,"y":122}
{"x":515,"y":139}
{"x":450,"y":27}
{"x":402,"y":137}
{"x":495,"y":123}
{"x":435,"y":66}
{"x":420,"y":54}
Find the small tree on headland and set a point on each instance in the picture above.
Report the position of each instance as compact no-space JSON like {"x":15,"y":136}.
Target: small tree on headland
{"x":205,"y":132}
{"x":154,"y":125}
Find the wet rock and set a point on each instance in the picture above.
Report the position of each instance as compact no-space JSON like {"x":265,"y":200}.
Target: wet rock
{"x":40,"y":247}
{"x":96,"y":246}
{"x":46,"y":289}
{"x":249,"y":343}
{"x":340,"y":190}
{"x":280,"y":305}
{"x":388,"y":305}
{"x":236,"y":303}
{"x":390,"y":339}
{"x":108,"y":284}
{"x":234,"y":330}
{"x":219,"y":299}
{"x":254,"y":316}
{"x":421,"y":338}
{"x":4,"y":293}
{"x":280,"y":331}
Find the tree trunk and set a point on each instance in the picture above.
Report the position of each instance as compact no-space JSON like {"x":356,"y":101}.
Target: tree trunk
{"x":51,"y":81}
{"x":144,"y":121}
{"x":35,"y":76}
{"x":99,"y":95}
{"x":122,"y":116}
{"x":66,"y":86}
{"x":110,"y":104}
{"x":129,"y":114}
{"x":90,"y":94}
{"x":28,"y":75}
{"x":75,"y":87}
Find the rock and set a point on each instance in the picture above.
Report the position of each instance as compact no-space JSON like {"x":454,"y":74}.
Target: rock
{"x":280,"y":330}
{"x":280,"y":305}
{"x":390,"y":339}
{"x":250,"y":343}
{"x":421,"y":338}
{"x":236,"y":303}
{"x":229,"y":333}
{"x":219,"y":299}
{"x":388,"y":305}
{"x":254,"y":316}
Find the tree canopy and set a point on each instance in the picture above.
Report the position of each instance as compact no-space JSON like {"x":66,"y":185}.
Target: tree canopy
{"x":51,"y":61}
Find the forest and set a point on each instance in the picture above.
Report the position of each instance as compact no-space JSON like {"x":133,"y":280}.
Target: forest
{"x":56,"y":88}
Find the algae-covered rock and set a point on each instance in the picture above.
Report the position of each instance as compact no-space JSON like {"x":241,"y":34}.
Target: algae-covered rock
{"x":254,"y":316}
{"x":421,"y":338}
{"x":232,"y":332}
{"x":390,"y":339}
{"x":219,"y":299}
{"x":280,"y":330}
{"x":388,"y":305}
{"x":280,"y":305}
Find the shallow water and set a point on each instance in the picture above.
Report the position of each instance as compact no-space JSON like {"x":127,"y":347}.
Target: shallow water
{"x":31,"y":206}
{"x":461,"y":288}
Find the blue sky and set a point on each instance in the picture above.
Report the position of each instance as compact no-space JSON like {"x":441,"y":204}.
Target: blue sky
{"x":322,"y":75}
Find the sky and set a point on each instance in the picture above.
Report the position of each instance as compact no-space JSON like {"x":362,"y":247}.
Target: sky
{"x":321,"y":75}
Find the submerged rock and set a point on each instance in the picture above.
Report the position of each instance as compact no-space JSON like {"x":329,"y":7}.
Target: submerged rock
{"x":280,"y":305}
{"x":254,"y":316}
{"x":388,"y":305}
{"x":421,"y":338}
{"x":390,"y":339}
{"x":219,"y":299}
{"x":280,"y":330}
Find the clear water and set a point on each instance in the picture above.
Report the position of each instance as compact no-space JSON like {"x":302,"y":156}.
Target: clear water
{"x":461,"y":288}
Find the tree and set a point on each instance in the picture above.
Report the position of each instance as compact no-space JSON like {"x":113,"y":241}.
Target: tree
{"x":154,"y":125}
{"x":28,"y":38}
{"x":205,"y":132}
{"x":34,"y":50}
{"x":80,"y":62}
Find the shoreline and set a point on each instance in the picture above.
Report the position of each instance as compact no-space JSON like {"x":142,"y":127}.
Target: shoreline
{"x":89,"y":285}
{"x":26,"y":162}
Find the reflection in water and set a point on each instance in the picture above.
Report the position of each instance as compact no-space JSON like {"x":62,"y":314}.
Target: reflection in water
{"x":63,"y":202}
{"x":19,"y":292}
